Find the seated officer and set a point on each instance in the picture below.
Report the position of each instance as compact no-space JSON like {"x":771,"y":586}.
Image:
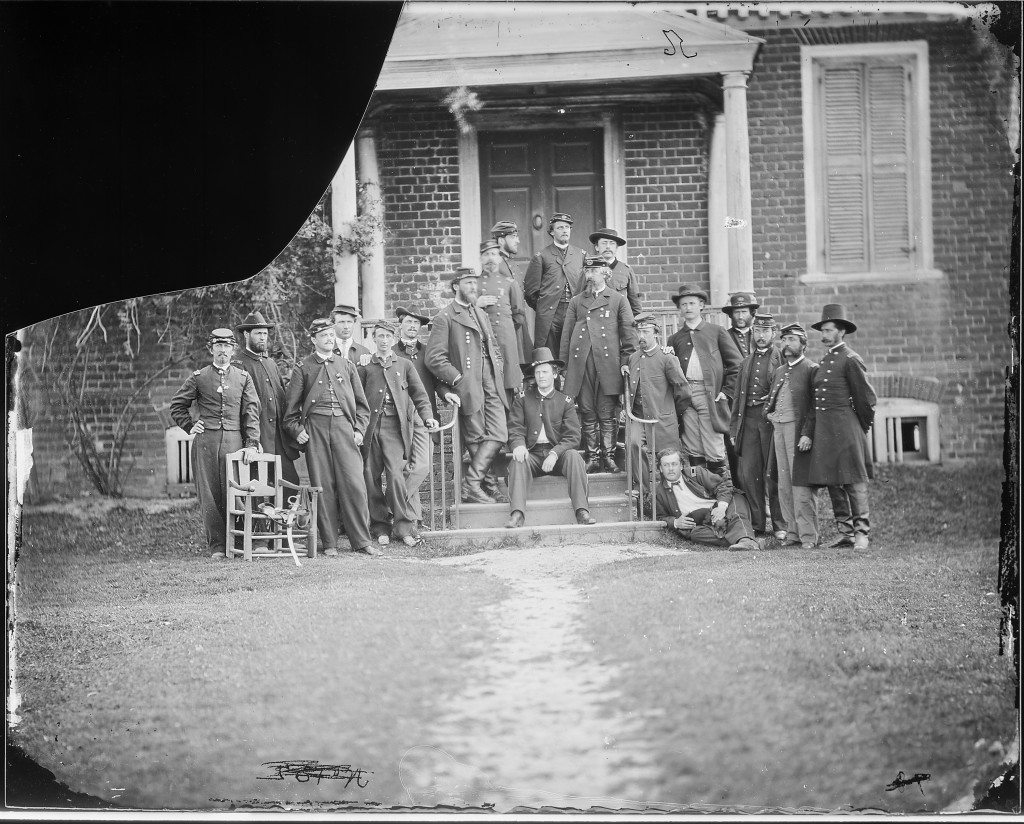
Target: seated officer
{"x":544,"y":432}
{"x":702,"y":506}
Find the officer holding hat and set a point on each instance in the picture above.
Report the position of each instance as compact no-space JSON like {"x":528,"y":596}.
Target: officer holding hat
{"x":554,"y":276}
{"x":254,"y":358}
{"x":398,"y":401}
{"x":544,"y":433}
{"x":622,"y":280}
{"x":327,"y":414}
{"x":228,"y":419}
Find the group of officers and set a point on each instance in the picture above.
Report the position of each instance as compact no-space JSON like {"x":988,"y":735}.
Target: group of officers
{"x":746,"y":427}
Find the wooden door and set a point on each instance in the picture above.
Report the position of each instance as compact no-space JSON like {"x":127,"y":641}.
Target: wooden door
{"x":526,"y":176}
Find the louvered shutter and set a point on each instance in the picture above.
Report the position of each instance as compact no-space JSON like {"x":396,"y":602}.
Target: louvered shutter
{"x":865,"y":139}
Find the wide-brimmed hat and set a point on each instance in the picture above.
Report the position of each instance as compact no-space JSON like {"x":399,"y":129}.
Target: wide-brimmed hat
{"x":689,"y":290}
{"x":504,"y":227}
{"x":403,"y":312}
{"x":254,"y":320}
{"x":345,"y":309}
{"x":318,"y":325}
{"x":793,"y":329}
{"x":221,"y":335}
{"x":610,"y":234}
{"x":489,"y":244}
{"x":835,"y":313}
{"x":559,"y":216}
{"x":646,"y":319}
{"x":540,"y":355}
{"x":766,"y":320}
{"x":741,"y":300}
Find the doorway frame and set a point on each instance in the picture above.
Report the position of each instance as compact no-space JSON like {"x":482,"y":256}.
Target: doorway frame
{"x":469,"y":169}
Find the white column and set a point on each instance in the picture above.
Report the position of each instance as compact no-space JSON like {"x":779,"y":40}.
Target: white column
{"x":737,"y":160}
{"x":469,"y":198}
{"x":343,"y":211}
{"x":372,"y":269}
{"x":718,"y":238}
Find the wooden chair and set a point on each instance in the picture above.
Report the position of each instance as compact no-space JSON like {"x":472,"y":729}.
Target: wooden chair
{"x":257,"y":495}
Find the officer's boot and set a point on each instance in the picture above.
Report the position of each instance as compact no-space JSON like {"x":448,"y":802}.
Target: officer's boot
{"x":609,"y":429}
{"x":472,"y":493}
{"x":591,"y":446}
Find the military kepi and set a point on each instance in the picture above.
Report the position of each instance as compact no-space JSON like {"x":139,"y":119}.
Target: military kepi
{"x":765,"y":320}
{"x":560,"y":216}
{"x":595,"y":262}
{"x":646,"y":319}
{"x":345,"y":309}
{"x":504,"y":227}
{"x":487,"y":245}
{"x":221,"y":336}
{"x":793,"y":329}
{"x":386,"y":325}
{"x":541,"y":355}
{"x":835,"y":313}
{"x":319,"y":325}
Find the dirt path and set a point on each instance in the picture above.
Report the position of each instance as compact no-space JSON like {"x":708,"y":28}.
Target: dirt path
{"x":537,"y":727}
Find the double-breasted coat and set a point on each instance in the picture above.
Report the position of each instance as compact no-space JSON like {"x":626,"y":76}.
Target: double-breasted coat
{"x":455,"y":350}
{"x":524,"y":333}
{"x":623,"y":280}
{"x":269,"y":384}
{"x":417,"y":358}
{"x":400,"y":381}
{"x":307,"y":386}
{"x":600,"y":325}
{"x":844,"y":409}
{"x":750,"y":388}
{"x":544,"y":283}
{"x":744,"y":340}
{"x":719,"y":361}
{"x":663,"y":392}
{"x":506,"y":317}
{"x":800,"y":377}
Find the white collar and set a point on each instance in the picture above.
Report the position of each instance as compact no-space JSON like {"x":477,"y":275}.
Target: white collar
{"x":546,"y":394}
{"x":794,"y":363}
{"x":837,"y":346}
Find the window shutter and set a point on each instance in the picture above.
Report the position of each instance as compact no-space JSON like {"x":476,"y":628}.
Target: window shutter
{"x":888,"y":99}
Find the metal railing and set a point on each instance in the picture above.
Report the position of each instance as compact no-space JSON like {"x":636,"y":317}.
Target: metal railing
{"x":634,"y":496}
{"x":439,"y":479}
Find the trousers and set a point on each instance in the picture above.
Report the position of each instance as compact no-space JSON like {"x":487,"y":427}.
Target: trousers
{"x":336,"y":466}
{"x":797,"y":502}
{"x":751,"y":474}
{"x":699,"y":436}
{"x":209,"y":469}
{"x":850,"y":508}
{"x":569,"y":465}
{"x":384,"y":456}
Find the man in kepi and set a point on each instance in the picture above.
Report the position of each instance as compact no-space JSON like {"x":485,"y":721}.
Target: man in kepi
{"x":622,"y":279}
{"x":326,"y":412}
{"x":346,"y":319}
{"x":544,"y":433}
{"x":397,"y":399}
{"x":228,"y":420}
{"x":254,"y":359}
{"x":844,"y":409}
{"x":702,"y":506}
{"x":597,"y":340}
{"x":506,"y":233}
{"x":501,"y":298}
{"x":553,"y":278}
{"x":465,"y":358}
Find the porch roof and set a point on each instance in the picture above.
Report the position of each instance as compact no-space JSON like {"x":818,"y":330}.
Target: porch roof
{"x":444,"y":45}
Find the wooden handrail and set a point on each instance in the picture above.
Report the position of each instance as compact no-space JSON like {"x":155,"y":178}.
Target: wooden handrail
{"x":634,"y":420}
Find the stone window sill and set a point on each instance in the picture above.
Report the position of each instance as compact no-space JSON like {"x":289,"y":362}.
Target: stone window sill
{"x":917,"y":276}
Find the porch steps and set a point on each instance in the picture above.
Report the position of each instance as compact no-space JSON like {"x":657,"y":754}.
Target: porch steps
{"x":621,"y":532}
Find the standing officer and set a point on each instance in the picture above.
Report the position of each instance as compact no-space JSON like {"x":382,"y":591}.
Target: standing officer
{"x":658,"y":391}
{"x":326,"y":411}
{"x":750,"y":431}
{"x":622,"y":279}
{"x":544,"y":433}
{"x":229,"y":420}
{"x":710,"y":362}
{"x":844,"y":409}
{"x":741,"y":309}
{"x":502,"y":299}
{"x":345,"y":321}
{"x":396,"y":398}
{"x":253,"y":358}
{"x":507,"y":235}
{"x":599,"y":336}
{"x":465,"y":358}
{"x":554,"y":276}
{"x":790,"y":409}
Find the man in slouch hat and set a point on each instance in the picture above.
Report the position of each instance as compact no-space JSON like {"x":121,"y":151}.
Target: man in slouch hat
{"x":740,"y":309}
{"x":228,"y":419}
{"x":544,"y":433}
{"x":327,"y":414}
{"x":465,"y":358}
{"x":844,"y":409}
{"x":553,"y":278}
{"x":622,"y":278}
{"x":253,"y":357}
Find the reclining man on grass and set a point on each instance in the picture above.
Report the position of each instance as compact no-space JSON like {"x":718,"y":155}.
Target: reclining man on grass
{"x":701,"y":506}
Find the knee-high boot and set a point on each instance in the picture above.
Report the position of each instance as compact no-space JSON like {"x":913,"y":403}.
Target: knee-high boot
{"x":472,"y":493}
{"x":591,"y":446}
{"x":609,"y":429}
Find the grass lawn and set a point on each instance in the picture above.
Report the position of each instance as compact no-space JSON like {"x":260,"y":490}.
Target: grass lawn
{"x":793,"y":677}
{"x":154,"y":677}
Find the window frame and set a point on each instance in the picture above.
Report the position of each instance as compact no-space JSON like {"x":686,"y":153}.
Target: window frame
{"x":920,"y":186}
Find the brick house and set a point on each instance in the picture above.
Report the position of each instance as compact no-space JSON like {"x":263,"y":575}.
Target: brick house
{"x":812,"y":153}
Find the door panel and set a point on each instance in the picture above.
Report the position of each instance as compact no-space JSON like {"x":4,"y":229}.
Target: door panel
{"x":525,"y":176}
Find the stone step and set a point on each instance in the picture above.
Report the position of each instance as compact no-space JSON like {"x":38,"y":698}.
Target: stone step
{"x":531,"y":535}
{"x":601,"y":484}
{"x":544,"y":512}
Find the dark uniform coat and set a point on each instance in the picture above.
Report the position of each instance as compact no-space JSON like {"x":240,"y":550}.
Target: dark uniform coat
{"x":719,"y":361}
{"x":270,"y":388}
{"x":747,"y":392}
{"x":744,"y":341}
{"x":844,"y":409}
{"x":506,"y":317}
{"x":355,"y":351}
{"x":454,"y":350}
{"x":545,"y":281}
{"x":706,"y":484}
{"x":601,"y":325}
{"x":524,"y":332}
{"x":418,"y":360}
{"x":559,"y":418}
{"x":307,"y":386}
{"x":402,"y":383}
{"x":800,"y":379}
{"x":664,"y":392}
{"x":623,"y":280}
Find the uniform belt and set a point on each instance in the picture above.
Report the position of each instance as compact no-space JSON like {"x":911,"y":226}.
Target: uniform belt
{"x":755,"y":404}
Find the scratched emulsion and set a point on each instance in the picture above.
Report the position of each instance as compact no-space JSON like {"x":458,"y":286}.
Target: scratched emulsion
{"x":533,"y":726}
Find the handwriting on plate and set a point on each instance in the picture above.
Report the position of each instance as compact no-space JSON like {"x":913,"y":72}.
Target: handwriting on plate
{"x":901,"y":782}
{"x":304,"y":771}
{"x":672,"y":45}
